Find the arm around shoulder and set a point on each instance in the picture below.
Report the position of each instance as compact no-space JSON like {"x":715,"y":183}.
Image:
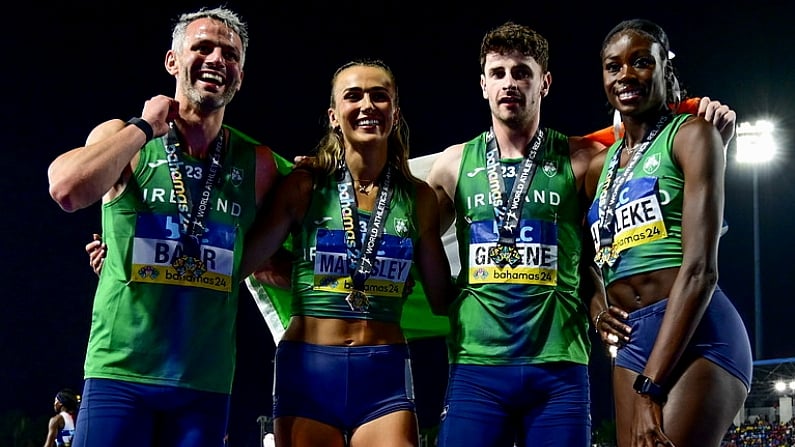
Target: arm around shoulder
{"x":443,"y":180}
{"x":267,"y":173}
{"x":276,"y":218}
{"x":432,"y":262}
{"x":583,"y":151}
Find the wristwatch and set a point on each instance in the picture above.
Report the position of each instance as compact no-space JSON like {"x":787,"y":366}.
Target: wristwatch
{"x":644,"y":385}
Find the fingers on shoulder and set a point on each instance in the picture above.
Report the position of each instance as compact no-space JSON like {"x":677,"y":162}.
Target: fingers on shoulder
{"x":713,"y":110}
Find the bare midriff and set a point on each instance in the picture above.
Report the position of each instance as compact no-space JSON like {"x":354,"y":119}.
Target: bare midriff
{"x":638,"y":291}
{"x":342,"y":332}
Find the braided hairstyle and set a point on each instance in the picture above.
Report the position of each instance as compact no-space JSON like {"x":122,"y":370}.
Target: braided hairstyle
{"x":674,"y":91}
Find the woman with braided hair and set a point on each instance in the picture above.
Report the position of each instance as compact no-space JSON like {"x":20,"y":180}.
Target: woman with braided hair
{"x":683,"y":366}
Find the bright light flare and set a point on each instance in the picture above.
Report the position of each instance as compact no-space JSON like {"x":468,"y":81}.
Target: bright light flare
{"x":755,"y":142}
{"x":782,"y":386}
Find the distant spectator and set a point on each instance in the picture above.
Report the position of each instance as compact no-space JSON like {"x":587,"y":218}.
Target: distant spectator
{"x":760,"y":433}
{"x":62,"y":425}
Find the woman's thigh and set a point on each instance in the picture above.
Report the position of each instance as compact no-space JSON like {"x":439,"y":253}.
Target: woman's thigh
{"x":702,"y":404}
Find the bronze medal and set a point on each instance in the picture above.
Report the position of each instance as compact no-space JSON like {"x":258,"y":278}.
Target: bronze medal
{"x":598,"y":259}
{"x":503,"y":255}
{"x":190,"y":266}
{"x":358,"y":301}
{"x":612,"y":257}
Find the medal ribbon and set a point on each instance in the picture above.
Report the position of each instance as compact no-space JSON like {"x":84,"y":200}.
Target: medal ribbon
{"x":192,"y":215}
{"x":362,"y":259}
{"x":608,"y":197}
{"x":507,"y":214}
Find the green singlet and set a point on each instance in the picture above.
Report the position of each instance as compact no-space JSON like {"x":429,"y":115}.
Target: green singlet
{"x":531,"y":313}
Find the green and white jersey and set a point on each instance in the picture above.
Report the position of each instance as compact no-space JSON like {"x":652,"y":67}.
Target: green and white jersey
{"x":530,"y":313}
{"x":321,"y":274}
{"x":647,"y":228}
{"x":158,"y":319}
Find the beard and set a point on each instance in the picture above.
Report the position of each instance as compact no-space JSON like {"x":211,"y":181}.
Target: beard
{"x":206,"y":100}
{"x":517,"y":119}
{"x":209,"y":101}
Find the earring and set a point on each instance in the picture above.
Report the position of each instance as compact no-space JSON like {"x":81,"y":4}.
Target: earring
{"x":616,"y":124}
{"x":672,"y":82}
{"x":676,"y":91}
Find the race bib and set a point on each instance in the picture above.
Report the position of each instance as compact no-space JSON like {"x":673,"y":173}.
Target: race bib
{"x":390,"y":269}
{"x":158,"y":255}
{"x":537,"y":248}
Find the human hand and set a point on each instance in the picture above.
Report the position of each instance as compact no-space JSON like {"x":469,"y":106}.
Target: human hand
{"x":647,"y":424}
{"x":97,"y":252}
{"x":409,"y":287}
{"x":159,"y":111}
{"x":720,"y":115}
{"x":276,"y":271}
{"x":305,"y":161}
{"x":269,"y":273}
{"x":611,"y":327}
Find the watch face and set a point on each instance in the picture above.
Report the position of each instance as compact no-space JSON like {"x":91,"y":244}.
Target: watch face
{"x":645,"y":385}
{"x":640,"y":383}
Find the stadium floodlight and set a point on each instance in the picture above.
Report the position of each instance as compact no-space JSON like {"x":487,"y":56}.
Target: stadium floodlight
{"x":756,"y":142}
{"x":756,"y":145}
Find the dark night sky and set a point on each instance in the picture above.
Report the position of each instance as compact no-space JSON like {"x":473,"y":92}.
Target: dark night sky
{"x":68,"y":68}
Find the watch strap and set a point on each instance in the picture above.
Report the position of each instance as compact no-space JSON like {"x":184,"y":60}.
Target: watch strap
{"x":644,"y":385}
